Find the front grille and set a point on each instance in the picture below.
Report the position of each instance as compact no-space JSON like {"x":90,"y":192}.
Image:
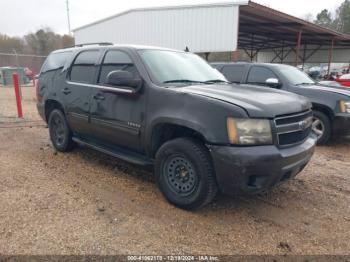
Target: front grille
{"x":293,"y":129}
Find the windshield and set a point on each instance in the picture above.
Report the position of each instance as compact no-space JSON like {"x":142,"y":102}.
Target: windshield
{"x":295,"y":76}
{"x":179,"y":68}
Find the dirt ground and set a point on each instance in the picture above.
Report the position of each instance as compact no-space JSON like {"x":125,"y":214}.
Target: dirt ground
{"x":85,"y":202}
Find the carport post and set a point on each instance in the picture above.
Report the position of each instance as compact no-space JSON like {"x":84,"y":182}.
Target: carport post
{"x":282,"y":55}
{"x":330,"y":58}
{"x":298,"y":48}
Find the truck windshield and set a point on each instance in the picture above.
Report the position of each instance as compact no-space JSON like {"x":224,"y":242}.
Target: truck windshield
{"x":179,"y":68}
{"x":295,"y":76}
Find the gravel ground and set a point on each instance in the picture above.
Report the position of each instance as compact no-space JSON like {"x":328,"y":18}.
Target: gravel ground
{"x":85,"y":202}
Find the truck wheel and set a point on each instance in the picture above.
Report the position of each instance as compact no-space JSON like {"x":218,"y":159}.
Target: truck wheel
{"x":322,"y":127}
{"x":60,"y":134}
{"x":185,"y":173}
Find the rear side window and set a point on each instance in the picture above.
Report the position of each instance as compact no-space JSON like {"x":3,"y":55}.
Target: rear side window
{"x":259,"y":75}
{"x":84,"y":67}
{"x":233,"y":73}
{"x":116,"y":60}
{"x":55,"y":61}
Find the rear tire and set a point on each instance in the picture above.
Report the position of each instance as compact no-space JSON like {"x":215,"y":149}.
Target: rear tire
{"x":322,"y":127}
{"x":60,"y":133}
{"x":185,"y":173}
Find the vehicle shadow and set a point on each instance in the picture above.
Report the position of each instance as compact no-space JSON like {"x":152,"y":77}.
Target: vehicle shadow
{"x":339,"y":141}
{"x":145,"y":176}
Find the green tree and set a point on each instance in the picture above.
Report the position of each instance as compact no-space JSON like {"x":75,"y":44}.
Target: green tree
{"x":67,"y":41}
{"x":43,"y":41}
{"x":10,"y":44}
{"x":324,"y":18}
{"x":342,"y":19}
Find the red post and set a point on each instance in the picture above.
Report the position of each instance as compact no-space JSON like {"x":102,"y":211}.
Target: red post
{"x":17,"y":93}
{"x":330,"y":58}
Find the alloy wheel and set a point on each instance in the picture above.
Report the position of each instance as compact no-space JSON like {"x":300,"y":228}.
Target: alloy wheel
{"x":318,"y":127}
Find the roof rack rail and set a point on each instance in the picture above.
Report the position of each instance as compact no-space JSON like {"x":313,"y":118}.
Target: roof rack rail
{"x":100,"y":43}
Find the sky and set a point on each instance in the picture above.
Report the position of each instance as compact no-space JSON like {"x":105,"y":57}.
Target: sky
{"x":19,"y":17}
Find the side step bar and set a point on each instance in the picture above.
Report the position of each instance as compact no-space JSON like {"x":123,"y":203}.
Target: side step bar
{"x":123,"y":154}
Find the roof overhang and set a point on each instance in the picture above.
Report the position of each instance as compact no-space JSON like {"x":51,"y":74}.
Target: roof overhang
{"x":262,"y":28}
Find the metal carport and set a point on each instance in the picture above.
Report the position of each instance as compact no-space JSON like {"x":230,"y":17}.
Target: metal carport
{"x":282,"y":38}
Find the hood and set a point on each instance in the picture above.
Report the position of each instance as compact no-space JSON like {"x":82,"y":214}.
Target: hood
{"x":330,"y":89}
{"x":259,"y":102}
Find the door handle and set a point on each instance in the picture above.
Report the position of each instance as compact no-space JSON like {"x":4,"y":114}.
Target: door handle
{"x":99,"y":97}
{"x":66,"y":91}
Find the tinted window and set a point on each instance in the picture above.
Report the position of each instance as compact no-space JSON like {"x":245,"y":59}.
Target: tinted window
{"x":233,"y":73}
{"x":84,"y":68}
{"x":55,"y":61}
{"x":259,"y":75}
{"x":116,"y":60}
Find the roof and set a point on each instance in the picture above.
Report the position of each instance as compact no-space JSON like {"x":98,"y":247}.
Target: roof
{"x":262,"y":27}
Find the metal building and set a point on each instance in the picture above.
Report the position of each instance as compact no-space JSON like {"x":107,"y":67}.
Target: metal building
{"x":239,"y":28}
{"x":202,"y":28}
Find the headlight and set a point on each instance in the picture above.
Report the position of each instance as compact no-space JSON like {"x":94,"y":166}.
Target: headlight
{"x":249,"y":131}
{"x":345,"y":106}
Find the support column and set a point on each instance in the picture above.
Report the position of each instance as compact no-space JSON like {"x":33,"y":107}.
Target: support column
{"x":304,"y":55}
{"x":298,"y":48}
{"x":207,"y":56}
{"x":330,"y":58}
{"x":251,"y":48}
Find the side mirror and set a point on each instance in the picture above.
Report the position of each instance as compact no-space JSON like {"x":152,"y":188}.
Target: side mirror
{"x":273,"y":82}
{"x":124,"y":79}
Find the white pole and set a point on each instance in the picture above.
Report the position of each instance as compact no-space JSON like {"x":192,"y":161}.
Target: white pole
{"x":68,"y":19}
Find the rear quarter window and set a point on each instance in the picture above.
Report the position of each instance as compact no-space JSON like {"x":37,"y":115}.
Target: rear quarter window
{"x":55,"y":61}
{"x":84,"y":67}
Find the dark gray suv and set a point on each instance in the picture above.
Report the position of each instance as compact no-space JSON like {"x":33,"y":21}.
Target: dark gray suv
{"x":170,"y":109}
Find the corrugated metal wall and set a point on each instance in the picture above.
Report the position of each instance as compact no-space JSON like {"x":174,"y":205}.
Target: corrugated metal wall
{"x":202,"y":29}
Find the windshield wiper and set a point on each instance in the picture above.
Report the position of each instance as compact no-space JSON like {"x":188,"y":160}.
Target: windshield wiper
{"x":181,"y":81}
{"x":216,"y":81}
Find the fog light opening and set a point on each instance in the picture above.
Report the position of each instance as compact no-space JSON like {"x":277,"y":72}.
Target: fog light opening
{"x":257,"y":182}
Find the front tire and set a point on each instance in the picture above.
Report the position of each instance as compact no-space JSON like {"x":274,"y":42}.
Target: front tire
{"x":321,"y":125}
{"x":60,"y":134}
{"x":185,"y":173}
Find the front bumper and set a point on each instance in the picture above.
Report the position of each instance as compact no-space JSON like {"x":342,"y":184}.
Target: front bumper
{"x":341,"y":124}
{"x":250,"y":170}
